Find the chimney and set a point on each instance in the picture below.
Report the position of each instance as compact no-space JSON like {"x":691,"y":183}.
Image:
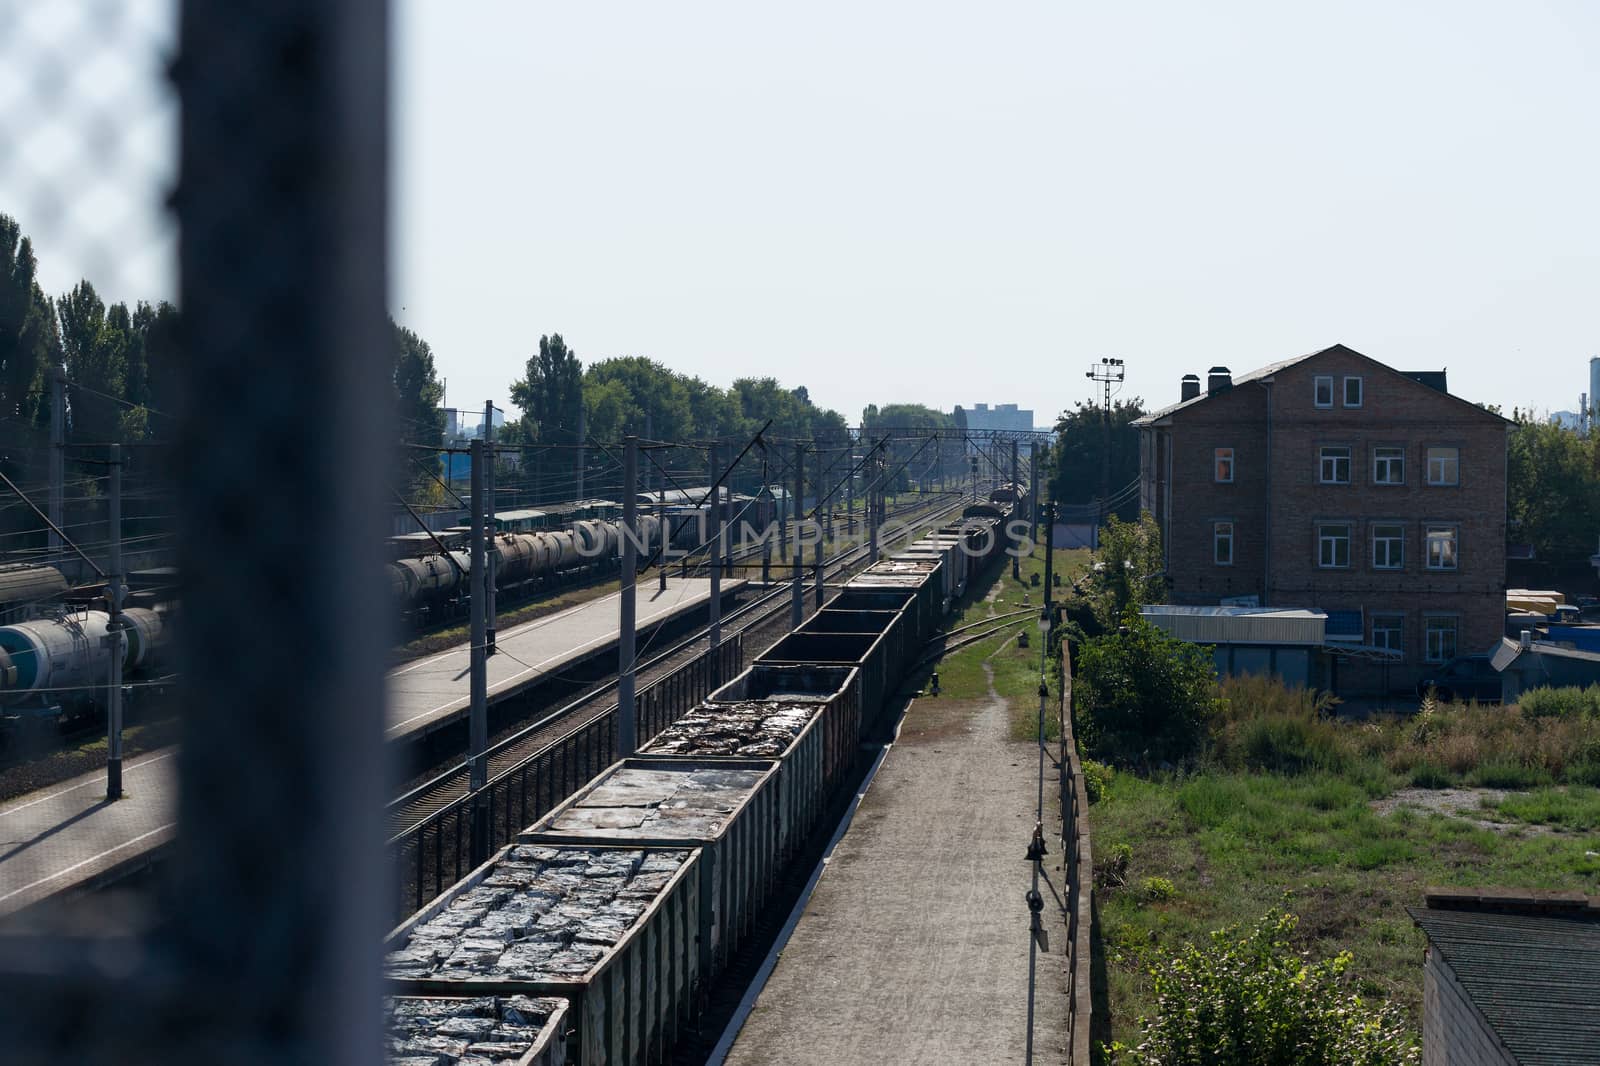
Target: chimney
{"x":1217,"y":379}
{"x":1190,"y":387}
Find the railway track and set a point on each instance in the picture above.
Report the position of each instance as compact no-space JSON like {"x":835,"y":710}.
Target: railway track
{"x":765,"y":616}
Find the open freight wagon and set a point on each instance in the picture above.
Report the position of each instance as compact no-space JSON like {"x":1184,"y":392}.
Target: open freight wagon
{"x":612,"y":930}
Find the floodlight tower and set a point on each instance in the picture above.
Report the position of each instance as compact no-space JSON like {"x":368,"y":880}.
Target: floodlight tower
{"x":1107,"y":372}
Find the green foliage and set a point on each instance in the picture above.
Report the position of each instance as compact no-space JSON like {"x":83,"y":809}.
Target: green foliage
{"x":549,"y":393}
{"x":1158,"y":889}
{"x":1081,"y":437}
{"x":1127,"y":570}
{"x":417,"y":395}
{"x":1246,"y":999}
{"x":1553,"y":490}
{"x":1570,"y":702}
{"x":29,"y":340}
{"x":1142,"y":695}
{"x":95,"y":349}
{"x":1096,"y":779}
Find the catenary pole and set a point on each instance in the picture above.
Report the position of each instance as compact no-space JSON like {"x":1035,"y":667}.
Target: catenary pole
{"x":797,"y":605}
{"x":627,"y":717}
{"x":478,"y":683}
{"x":114,"y":637}
{"x":715,"y":553}
{"x":491,"y":548}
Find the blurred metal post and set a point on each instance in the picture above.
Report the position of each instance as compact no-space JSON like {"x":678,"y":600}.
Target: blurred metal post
{"x":491,"y":549}
{"x":714,"y":554}
{"x":871,"y":463}
{"x":1016,"y":491}
{"x":114,"y":636}
{"x":797,"y":606}
{"x":282,"y":888}
{"x":627,"y":715}
{"x":58,"y":458}
{"x":816,"y":551}
{"x":478,"y":668}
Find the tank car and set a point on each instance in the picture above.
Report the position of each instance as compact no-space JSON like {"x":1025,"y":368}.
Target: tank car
{"x":58,"y":666}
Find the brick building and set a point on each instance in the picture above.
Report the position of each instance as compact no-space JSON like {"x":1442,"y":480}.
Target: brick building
{"x":1333,"y":481}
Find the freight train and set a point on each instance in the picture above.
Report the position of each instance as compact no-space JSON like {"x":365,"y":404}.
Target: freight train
{"x":617,"y":910}
{"x":55,"y":667}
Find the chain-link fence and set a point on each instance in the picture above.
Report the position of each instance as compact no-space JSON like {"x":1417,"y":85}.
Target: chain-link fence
{"x":193,"y":267}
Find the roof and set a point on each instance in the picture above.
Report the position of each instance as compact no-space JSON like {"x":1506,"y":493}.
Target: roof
{"x":1530,"y":963}
{"x":1509,"y":651}
{"x":1433,"y":379}
{"x":1240,"y":625}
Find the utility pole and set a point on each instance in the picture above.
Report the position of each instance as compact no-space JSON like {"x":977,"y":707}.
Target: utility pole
{"x":1107,"y":373}
{"x":58,"y":448}
{"x":797,"y":605}
{"x":766,"y":541}
{"x":627,"y":717}
{"x":583,"y":446}
{"x":972,"y":462}
{"x":491,"y":548}
{"x":1016,"y":490}
{"x":478,"y":721}
{"x":1033,"y":491}
{"x":816,"y":551}
{"x":715,"y":514}
{"x":114,"y":638}
{"x":871,"y":503}
{"x":1049,"y":552}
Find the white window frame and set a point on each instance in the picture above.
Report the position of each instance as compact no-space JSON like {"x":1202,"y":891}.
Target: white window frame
{"x":1390,"y":622}
{"x":1323,"y":459}
{"x":1439,"y":625}
{"x":1222,"y":532}
{"x":1454,"y":461}
{"x":1397,"y":558}
{"x":1327,"y":541}
{"x":1388,"y":463}
{"x":1361,"y":389}
{"x":1218,"y":457}
{"x":1428,"y":536}
{"x":1316,"y":391}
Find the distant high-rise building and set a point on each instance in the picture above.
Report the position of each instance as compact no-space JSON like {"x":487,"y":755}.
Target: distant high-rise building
{"x":1594,"y":389}
{"x":1000,"y":416}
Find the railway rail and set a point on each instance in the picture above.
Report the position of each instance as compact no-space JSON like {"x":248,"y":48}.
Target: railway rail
{"x":538,"y":766}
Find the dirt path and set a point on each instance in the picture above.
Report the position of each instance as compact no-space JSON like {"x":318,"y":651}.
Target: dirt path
{"x":914,"y":946}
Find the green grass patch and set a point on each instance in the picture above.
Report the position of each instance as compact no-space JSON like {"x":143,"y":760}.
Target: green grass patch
{"x":1233,"y":844}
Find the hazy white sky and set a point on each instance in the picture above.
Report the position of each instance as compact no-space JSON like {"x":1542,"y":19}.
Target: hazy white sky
{"x":951,"y":203}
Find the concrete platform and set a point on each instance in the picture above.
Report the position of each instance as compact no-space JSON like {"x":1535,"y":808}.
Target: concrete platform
{"x":434,"y":692}
{"x":70,"y":838}
{"x":913,"y":947}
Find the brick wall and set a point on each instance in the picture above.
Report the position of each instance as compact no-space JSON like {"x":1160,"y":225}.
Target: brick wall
{"x":1277,"y":433}
{"x":1453,"y":1032}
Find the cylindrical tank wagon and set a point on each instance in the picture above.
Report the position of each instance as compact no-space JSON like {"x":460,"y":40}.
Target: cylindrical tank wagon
{"x":58,"y":666}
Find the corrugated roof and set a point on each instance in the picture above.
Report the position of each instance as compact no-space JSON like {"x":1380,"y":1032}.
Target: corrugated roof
{"x":1509,"y":651}
{"x":1535,"y":977}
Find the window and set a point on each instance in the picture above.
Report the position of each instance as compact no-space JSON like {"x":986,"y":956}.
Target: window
{"x":1441,"y":542}
{"x":1440,"y":645}
{"x":1389,"y":631}
{"x":1388,"y":466}
{"x":1444,"y":466}
{"x":1223,"y":463}
{"x":1335,"y":468}
{"x":1322,"y":391}
{"x":1222,"y":543}
{"x":1352,"y":392}
{"x":1333,"y":546}
{"x":1388,"y":546}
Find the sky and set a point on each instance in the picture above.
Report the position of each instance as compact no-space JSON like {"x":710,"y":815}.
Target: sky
{"x":953,"y":203}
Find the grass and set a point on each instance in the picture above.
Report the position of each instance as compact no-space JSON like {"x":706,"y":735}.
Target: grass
{"x":1278,"y":812}
{"x":1234,"y":844}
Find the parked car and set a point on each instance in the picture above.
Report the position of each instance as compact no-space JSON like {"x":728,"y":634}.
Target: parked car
{"x":1466,"y":677}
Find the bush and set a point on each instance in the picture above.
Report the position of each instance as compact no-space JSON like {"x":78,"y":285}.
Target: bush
{"x":1157,"y":889}
{"x":1561,"y":702}
{"x":1144,"y":696}
{"x":1096,"y":780}
{"x":1291,"y":745}
{"x":1427,"y":775}
{"x":1247,"y":1000}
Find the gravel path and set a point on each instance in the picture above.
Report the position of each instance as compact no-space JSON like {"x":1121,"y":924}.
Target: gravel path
{"x":914,"y":946}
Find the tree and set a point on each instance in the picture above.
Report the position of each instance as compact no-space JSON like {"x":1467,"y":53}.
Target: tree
{"x":1143,"y":696}
{"x":29,"y":340}
{"x":95,"y":346}
{"x":1127,"y":571}
{"x":1249,"y":1000}
{"x":417,"y":395}
{"x":1081,"y":444}
{"x":550,"y":392}
{"x":1553,"y":490}
{"x":638,"y":387}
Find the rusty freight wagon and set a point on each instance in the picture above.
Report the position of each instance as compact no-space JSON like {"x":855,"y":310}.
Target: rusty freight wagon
{"x":806,"y":717}
{"x":729,"y":809}
{"x":613,"y":930}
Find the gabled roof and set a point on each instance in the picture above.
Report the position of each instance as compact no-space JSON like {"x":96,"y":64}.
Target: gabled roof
{"x":1531,"y":967}
{"x":1429,"y":379}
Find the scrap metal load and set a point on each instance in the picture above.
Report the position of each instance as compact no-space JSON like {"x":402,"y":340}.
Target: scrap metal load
{"x":481,"y":1031}
{"x":635,"y":894}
